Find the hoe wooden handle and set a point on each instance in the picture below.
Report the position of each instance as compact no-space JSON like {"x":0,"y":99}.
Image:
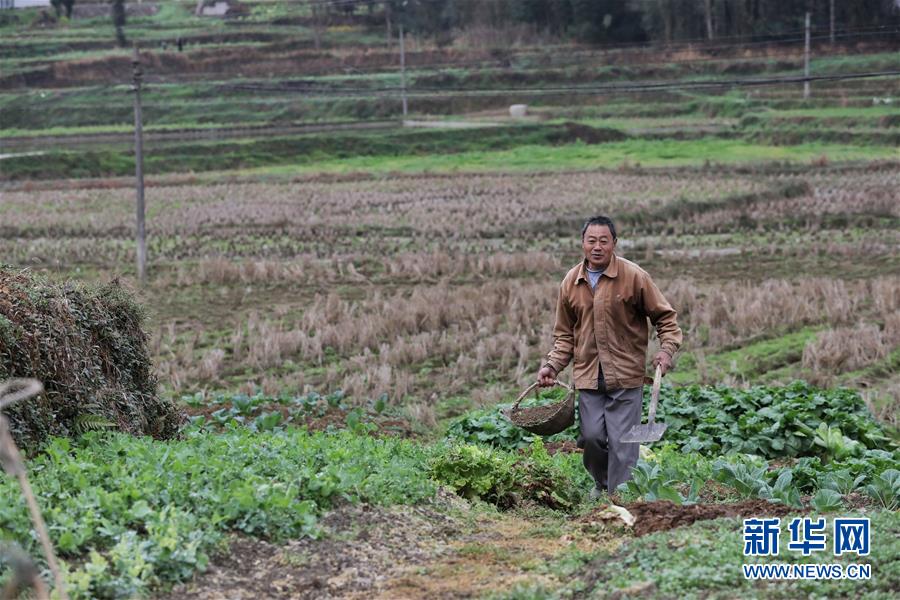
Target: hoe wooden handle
{"x":654,"y":395}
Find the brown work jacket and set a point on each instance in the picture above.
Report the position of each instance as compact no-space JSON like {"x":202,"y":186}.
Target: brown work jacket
{"x":608,"y":325}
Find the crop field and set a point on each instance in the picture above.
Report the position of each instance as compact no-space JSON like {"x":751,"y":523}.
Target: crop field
{"x":427,"y":300}
{"x":339,"y":316}
{"x":390,"y":285}
{"x":378,"y":285}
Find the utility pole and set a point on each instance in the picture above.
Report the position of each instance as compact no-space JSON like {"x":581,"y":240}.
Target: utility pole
{"x":832,"y":22}
{"x":709,"y":23}
{"x":403,"y":71}
{"x":317,"y":25}
{"x":137,"y":75}
{"x":806,"y":62}
{"x":387,"y":24}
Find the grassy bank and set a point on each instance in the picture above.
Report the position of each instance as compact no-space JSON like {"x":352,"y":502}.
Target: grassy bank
{"x":515,"y":149}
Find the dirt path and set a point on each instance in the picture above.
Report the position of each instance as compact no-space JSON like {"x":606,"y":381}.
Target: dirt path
{"x":361,"y":548}
{"x":445,"y":551}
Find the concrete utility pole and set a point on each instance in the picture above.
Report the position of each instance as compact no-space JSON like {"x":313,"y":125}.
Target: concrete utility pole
{"x":832,"y":22}
{"x":806,"y":62}
{"x":387,"y":24}
{"x":137,"y":75}
{"x":317,"y":25}
{"x":403,"y":70}
{"x":709,"y":23}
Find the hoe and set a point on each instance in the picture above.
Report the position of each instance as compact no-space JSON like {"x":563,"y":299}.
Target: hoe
{"x":652,"y":431}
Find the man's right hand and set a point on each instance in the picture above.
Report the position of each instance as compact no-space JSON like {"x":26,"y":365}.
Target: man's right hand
{"x":546,"y":376}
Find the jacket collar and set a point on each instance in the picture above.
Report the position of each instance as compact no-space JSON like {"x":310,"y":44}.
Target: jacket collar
{"x":611,"y":270}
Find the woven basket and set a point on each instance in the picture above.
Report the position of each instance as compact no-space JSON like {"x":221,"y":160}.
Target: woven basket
{"x":546,"y":419}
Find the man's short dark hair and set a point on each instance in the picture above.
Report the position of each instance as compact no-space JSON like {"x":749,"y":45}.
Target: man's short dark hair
{"x":599,"y":220}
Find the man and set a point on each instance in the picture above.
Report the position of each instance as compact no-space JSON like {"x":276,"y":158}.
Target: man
{"x":601,"y":319}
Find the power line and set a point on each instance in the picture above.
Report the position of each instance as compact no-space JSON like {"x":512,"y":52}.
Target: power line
{"x":590,"y":55}
{"x":444,"y":65}
{"x":575,"y":90}
{"x":491,"y":64}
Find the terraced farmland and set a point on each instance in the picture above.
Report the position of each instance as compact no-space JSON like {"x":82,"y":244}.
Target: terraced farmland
{"x":341,"y":301}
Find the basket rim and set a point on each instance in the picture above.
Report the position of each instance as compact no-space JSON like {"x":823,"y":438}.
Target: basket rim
{"x":568,"y":387}
{"x":519,"y":415}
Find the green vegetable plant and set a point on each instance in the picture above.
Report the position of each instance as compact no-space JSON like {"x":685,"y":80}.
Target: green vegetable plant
{"x":826,"y":500}
{"x":796,"y":421}
{"x":244,"y":404}
{"x":885,"y":489}
{"x":475,"y":472}
{"x":835,"y":445}
{"x":554,"y":481}
{"x":506,"y":478}
{"x":649,"y":483}
{"x":782,"y":491}
{"x":748,"y":478}
{"x":267,"y":421}
{"x":132,"y":514}
{"x":842,"y":481}
{"x":770,"y":421}
{"x":807,"y":472}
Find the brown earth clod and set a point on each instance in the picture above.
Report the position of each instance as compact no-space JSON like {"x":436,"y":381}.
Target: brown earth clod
{"x":663,"y":515}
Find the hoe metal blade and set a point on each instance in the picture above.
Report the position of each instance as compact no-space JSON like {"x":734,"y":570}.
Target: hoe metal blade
{"x":651,"y":431}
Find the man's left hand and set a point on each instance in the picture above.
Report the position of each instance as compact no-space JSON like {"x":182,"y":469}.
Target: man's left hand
{"x":663,"y":360}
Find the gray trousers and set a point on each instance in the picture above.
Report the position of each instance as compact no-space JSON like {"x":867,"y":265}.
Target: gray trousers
{"x":605,"y":418}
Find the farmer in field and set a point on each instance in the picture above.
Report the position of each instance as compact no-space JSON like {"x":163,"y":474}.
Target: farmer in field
{"x":601,"y":319}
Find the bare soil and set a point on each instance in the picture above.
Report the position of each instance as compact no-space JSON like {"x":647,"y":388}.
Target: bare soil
{"x":589,"y":135}
{"x":566,"y":447}
{"x":443,"y":551}
{"x":663,"y":515}
{"x":362,"y":547}
{"x":224,"y":62}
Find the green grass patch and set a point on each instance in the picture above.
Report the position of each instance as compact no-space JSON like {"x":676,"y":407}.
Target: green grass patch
{"x":514,"y":149}
{"x":830,"y":112}
{"x":636,"y":152}
{"x":889,"y":365}
{"x":884,"y":61}
{"x":308,"y":149}
{"x":749,"y":363}
{"x":704,"y":561}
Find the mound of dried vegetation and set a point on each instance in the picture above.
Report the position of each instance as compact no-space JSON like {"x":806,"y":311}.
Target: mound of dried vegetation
{"x":87,"y":346}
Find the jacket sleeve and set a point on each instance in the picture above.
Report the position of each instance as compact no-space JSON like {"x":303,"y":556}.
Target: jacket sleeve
{"x":662,"y":315}
{"x":563,"y":333}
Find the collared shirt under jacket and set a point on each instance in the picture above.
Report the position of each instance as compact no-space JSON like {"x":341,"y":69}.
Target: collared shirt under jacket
{"x":608,"y":325}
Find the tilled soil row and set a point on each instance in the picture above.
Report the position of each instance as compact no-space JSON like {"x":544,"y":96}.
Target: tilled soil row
{"x":663,"y":515}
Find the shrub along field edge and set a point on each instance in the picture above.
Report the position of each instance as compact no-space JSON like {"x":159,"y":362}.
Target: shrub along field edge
{"x":88,"y":345}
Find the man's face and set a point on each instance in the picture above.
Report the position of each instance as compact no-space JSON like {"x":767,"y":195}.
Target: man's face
{"x":598,"y":245}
